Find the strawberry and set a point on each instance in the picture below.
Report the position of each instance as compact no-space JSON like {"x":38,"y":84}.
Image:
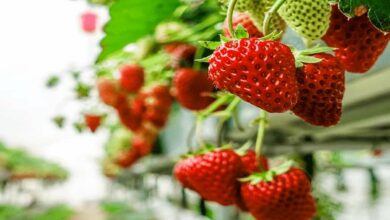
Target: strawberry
{"x":213,"y":175}
{"x":127,"y":158}
{"x":193,"y":89}
{"x":321,"y":91}
{"x":309,"y":18}
{"x":286,"y":196}
{"x":158,"y":102}
{"x":144,"y":139}
{"x":241,"y":5}
{"x":127,"y":116}
{"x":181,"y":54}
{"x":181,"y":172}
{"x":261,"y":72}
{"x":92,"y":121}
{"x":108,"y":91}
{"x":257,"y":13}
{"x":245,"y":20}
{"x":359,"y":43}
{"x":250,"y":162}
{"x":131,"y":78}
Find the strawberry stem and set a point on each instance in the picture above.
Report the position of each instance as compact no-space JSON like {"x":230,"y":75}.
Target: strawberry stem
{"x":214,"y":106}
{"x":229,"y":16}
{"x":268,"y":15}
{"x":198,"y":55}
{"x":260,"y":136}
{"x":198,"y":132}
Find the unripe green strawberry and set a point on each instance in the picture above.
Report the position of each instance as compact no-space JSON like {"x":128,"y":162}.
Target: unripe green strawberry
{"x":257,"y":14}
{"x":309,"y":18}
{"x":241,"y":5}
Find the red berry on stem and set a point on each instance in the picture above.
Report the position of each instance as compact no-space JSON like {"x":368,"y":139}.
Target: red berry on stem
{"x":261,"y":72}
{"x":193,"y":89}
{"x":246,"y":22}
{"x":131,"y":78}
{"x":321,"y":91}
{"x":359,"y":44}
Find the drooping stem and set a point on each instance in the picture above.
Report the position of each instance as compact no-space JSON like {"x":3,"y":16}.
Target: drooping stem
{"x":198,"y":131}
{"x":268,"y":15}
{"x":236,"y":120}
{"x":229,"y":16}
{"x":190,"y":136}
{"x":260,"y":135}
{"x":214,"y":106}
{"x":198,"y":55}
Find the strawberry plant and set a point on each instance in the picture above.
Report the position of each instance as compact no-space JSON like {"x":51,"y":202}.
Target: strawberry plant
{"x":209,"y":57}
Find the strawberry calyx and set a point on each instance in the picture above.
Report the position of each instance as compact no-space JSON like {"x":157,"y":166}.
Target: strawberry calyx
{"x":268,"y":176}
{"x":244,"y":148}
{"x":304,"y":56}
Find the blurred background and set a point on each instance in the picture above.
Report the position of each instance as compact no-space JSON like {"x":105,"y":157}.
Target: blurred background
{"x":43,"y":38}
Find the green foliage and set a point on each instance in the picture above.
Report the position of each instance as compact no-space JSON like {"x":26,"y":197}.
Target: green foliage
{"x":55,"y":213}
{"x":131,"y":20}
{"x":52,"y":82}
{"x":20,"y":163}
{"x":60,"y":212}
{"x":378,"y":11}
{"x":327,"y":207}
{"x":122,"y":211}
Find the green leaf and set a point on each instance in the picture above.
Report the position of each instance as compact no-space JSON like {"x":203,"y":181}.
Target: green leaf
{"x":283,"y":168}
{"x":131,"y":20}
{"x":378,"y":11}
{"x":204,"y":59}
{"x":212,"y":45}
{"x":316,"y":50}
{"x":59,"y":121}
{"x":308,"y":59}
{"x":82,"y":90}
{"x":224,"y":39}
{"x":272,"y":36}
{"x":241,"y":32}
{"x":52,"y":82}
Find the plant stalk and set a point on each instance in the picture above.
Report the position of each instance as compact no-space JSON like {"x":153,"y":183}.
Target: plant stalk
{"x":229,"y":16}
{"x":260,"y":136}
{"x":268,"y":15}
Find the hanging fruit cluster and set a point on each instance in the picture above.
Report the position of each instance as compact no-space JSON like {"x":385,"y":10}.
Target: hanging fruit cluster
{"x":249,"y":62}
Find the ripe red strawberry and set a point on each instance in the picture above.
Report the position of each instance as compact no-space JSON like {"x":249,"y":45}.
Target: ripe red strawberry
{"x":193,"y":89}
{"x":127,"y":116}
{"x":158,"y":102}
{"x":181,"y":53}
{"x":181,"y":172}
{"x":92,"y":121}
{"x":131,"y":78}
{"x":143,"y":141}
{"x":127,"y":158}
{"x":321,"y":91}
{"x":261,"y":72}
{"x":245,"y":20}
{"x":286,"y":196}
{"x":213,"y":175}
{"x":250,"y":163}
{"x":359,"y":43}
{"x":108,"y":91}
